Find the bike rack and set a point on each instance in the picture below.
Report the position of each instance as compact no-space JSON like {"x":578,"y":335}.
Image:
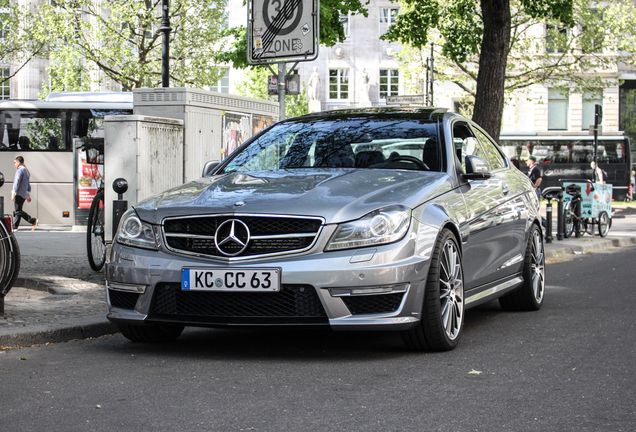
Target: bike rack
{"x":550,"y":194}
{"x":120,"y":186}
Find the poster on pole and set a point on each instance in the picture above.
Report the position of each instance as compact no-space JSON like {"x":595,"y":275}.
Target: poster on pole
{"x":282,"y":30}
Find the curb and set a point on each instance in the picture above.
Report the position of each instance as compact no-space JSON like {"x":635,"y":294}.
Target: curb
{"x":41,"y":285}
{"x":589,"y":245}
{"x":76,"y":328}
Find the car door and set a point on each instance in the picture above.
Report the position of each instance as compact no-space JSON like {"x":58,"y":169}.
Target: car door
{"x":490,"y":214}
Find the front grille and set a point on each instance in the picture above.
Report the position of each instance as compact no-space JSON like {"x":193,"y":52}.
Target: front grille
{"x":373,"y":304}
{"x":292,"y":304}
{"x":268,"y":235}
{"x":123,"y":300}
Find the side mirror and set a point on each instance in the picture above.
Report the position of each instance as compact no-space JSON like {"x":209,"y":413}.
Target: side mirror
{"x":476,"y":169}
{"x":1,"y":181}
{"x":209,"y":167}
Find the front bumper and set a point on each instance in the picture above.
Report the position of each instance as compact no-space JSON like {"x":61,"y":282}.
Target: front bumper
{"x":379,"y":288}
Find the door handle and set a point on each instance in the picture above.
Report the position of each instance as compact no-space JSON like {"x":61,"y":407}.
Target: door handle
{"x":505,"y":189}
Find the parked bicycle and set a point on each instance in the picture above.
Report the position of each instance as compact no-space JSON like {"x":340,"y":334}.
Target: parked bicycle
{"x":95,"y":239}
{"x":9,"y":254}
{"x":589,"y":218}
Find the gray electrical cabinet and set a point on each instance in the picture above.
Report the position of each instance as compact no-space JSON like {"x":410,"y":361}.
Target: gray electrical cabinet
{"x":215,"y":124}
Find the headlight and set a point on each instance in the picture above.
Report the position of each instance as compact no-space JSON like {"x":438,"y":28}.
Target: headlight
{"x":133,"y":232}
{"x":382,"y":226}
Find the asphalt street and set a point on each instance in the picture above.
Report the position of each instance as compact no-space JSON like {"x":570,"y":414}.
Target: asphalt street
{"x":565,"y":367}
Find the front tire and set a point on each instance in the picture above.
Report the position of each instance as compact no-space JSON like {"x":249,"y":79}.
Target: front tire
{"x":530,"y":296}
{"x":604,"y":224}
{"x":442,"y":318}
{"x":151,"y":333}
{"x":95,"y":240}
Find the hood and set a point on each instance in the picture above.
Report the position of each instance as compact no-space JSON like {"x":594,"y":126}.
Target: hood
{"x":335,"y":194}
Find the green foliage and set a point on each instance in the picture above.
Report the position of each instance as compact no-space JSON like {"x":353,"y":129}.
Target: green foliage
{"x":24,"y":36}
{"x":582,"y":45}
{"x":39,"y":131}
{"x":121,"y":41}
{"x":255,"y":85}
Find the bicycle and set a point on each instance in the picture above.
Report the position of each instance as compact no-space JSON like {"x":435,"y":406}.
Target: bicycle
{"x":572,"y":208}
{"x":9,"y":254}
{"x":95,"y":238}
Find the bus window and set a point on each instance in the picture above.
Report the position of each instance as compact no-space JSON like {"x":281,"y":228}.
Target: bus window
{"x":50,"y":129}
{"x":561,"y":157}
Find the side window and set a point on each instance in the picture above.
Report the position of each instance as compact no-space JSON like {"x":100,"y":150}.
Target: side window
{"x":466,"y":144}
{"x":492,"y":154}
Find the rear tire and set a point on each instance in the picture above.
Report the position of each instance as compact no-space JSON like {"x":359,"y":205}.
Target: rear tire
{"x":151,"y":333}
{"x":604,"y":224}
{"x":442,"y":317}
{"x":9,"y":259}
{"x":530,"y":296}
{"x":569,"y":221}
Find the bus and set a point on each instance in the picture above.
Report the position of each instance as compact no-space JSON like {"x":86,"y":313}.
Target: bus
{"x":61,"y":139}
{"x":569,"y":155}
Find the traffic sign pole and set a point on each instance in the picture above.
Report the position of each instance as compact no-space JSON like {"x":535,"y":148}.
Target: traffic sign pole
{"x":281,"y":91}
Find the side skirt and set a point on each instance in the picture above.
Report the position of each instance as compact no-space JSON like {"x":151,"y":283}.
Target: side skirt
{"x":491,"y":291}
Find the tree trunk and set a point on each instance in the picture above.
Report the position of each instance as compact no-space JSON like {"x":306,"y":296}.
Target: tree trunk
{"x":489,"y":98}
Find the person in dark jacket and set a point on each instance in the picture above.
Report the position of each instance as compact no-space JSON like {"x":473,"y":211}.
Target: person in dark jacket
{"x":20,"y":193}
{"x":535,"y":174}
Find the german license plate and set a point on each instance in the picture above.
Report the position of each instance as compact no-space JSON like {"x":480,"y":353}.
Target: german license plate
{"x":236,"y":280}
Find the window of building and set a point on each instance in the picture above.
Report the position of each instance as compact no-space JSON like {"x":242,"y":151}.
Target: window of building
{"x":592,"y":37}
{"x":346,"y":24}
{"x":555,"y":38}
{"x":389,"y":82}
{"x":5,"y":85}
{"x":590,"y":100}
{"x":338,"y":84}
{"x":4,"y":26}
{"x":557,"y":110}
{"x":464,"y":107}
{"x":222,"y":85}
{"x":387,"y":18}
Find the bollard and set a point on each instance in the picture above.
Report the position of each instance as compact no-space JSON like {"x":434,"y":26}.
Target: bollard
{"x":120,"y":186}
{"x":548,"y":222}
{"x":560,"y":219}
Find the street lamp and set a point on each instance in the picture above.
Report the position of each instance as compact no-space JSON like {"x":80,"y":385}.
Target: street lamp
{"x":165,"y":44}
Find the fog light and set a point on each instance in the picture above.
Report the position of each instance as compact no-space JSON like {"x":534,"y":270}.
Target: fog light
{"x":370,"y":290}
{"x":126,"y":287}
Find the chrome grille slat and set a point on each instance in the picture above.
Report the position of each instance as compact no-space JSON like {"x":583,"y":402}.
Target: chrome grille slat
{"x":270,"y":235}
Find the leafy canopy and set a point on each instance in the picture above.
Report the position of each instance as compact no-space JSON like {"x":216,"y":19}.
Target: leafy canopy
{"x":23,"y":36}
{"x":122,"y":41}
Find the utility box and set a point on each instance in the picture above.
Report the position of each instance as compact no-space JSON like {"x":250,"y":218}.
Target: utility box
{"x":147,"y":152}
{"x":215,"y":124}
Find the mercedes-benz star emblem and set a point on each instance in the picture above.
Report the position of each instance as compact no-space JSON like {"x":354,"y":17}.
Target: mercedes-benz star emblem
{"x":232,"y":237}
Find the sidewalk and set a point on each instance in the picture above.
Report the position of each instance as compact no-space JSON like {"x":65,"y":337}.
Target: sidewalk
{"x":58,"y":297}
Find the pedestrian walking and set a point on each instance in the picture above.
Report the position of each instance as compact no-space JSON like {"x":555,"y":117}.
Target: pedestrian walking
{"x":20,"y":193}
{"x":599,"y":176}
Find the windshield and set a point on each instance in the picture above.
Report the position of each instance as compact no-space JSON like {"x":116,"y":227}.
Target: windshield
{"x":367,"y":143}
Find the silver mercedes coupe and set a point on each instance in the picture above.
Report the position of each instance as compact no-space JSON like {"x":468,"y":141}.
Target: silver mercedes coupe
{"x":378,"y":219}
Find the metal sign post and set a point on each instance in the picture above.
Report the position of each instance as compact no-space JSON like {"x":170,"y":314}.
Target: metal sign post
{"x":280,"y":31}
{"x":598,"y":118}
